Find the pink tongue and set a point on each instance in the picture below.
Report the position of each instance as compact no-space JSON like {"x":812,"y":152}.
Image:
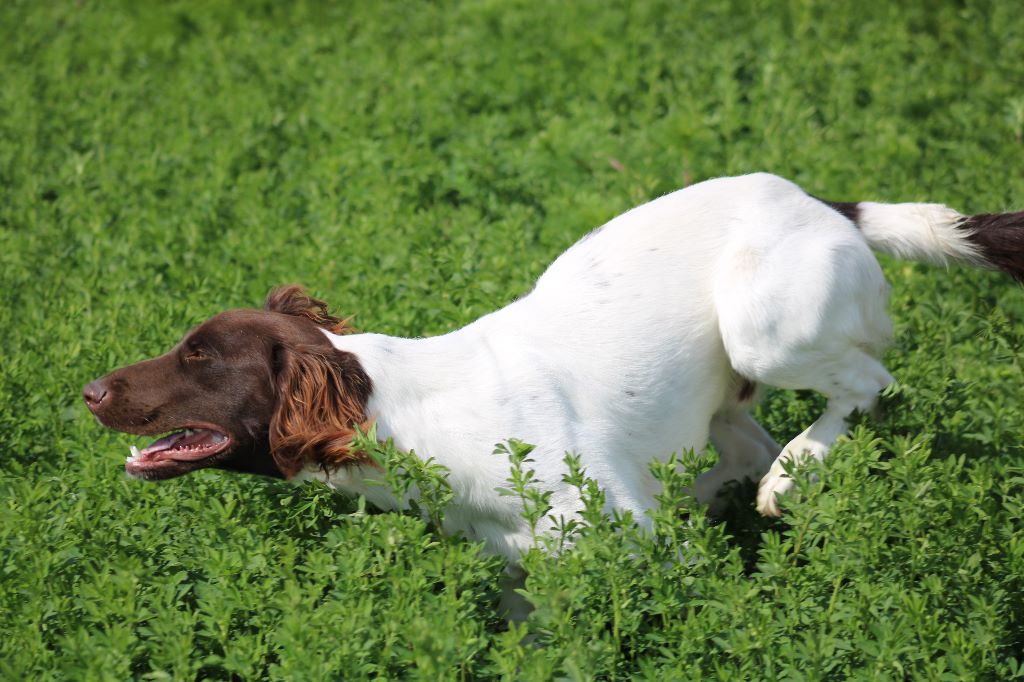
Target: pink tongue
{"x":181,"y":447}
{"x":162,"y":444}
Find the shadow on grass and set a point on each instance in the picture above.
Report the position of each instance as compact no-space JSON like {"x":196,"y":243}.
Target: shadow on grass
{"x":744,"y":526}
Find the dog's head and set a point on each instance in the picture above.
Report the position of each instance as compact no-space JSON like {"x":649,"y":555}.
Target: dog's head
{"x":260,"y":391}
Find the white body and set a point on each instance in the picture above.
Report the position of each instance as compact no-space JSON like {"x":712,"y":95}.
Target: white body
{"x":638,"y":342}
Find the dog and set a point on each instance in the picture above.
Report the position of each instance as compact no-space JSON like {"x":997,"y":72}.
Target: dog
{"x":653,"y":334}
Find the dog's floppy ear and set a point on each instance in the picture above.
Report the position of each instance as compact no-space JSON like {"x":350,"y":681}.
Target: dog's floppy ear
{"x":292,"y":299}
{"x":321,"y":398}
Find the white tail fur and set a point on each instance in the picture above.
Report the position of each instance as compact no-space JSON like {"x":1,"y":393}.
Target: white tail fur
{"x":925,"y":232}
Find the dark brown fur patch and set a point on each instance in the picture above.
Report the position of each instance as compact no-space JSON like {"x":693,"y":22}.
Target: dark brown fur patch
{"x":1000,"y":238}
{"x":747,"y":390}
{"x":848,"y":209}
{"x":292,"y":299}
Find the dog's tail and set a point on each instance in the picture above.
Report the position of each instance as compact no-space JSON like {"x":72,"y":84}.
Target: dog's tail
{"x":938,"y":234}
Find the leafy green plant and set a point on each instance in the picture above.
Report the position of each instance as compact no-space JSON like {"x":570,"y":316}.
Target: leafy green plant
{"x":419,"y":165}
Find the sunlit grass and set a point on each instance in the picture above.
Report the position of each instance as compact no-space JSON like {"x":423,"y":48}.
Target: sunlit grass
{"x":418,"y":165}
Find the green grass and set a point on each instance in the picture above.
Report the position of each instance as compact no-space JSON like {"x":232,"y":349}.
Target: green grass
{"x":419,"y":164}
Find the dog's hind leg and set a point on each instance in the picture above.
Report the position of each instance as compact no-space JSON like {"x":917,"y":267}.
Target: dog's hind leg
{"x":854,"y":383}
{"x":801,"y":304}
{"x":745,"y":452}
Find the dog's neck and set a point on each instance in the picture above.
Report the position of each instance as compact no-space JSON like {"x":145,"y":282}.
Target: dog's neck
{"x":452,"y":398}
{"x":439,"y":397}
{"x":425,"y":390}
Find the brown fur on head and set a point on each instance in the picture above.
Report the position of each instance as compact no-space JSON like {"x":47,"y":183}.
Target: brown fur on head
{"x":322,"y":395}
{"x":263,"y":391}
{"x":322,"y":398}
{"x":292,"y":299}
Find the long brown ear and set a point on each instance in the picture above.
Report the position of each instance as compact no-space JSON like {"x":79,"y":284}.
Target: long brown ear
{"x":292,"y":299}
{"x":321,"y":398}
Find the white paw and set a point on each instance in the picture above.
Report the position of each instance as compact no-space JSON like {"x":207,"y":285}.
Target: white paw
{"x":774,"y":484}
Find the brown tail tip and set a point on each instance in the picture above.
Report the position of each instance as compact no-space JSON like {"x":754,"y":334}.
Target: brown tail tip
{"x":1000,"y":238}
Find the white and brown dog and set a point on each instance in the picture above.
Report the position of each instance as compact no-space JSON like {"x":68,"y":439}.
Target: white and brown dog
{"x":649,"y":336}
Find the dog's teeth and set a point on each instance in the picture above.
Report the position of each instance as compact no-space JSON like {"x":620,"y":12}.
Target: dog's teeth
{"x":188,"y":432}
{"x":135,"y":451}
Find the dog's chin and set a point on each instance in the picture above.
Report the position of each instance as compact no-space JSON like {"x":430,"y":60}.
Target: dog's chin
{"x":164,"y":469}
{"x":183,"y":451}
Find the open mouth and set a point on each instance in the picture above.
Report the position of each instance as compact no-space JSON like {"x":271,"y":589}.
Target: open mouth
{"x":177,"y":453}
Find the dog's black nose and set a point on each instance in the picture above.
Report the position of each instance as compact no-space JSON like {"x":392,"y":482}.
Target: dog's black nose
{"x":94,"y":393}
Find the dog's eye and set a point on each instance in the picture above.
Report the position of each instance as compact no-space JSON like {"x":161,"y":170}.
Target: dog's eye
{"x":195,"y":354}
